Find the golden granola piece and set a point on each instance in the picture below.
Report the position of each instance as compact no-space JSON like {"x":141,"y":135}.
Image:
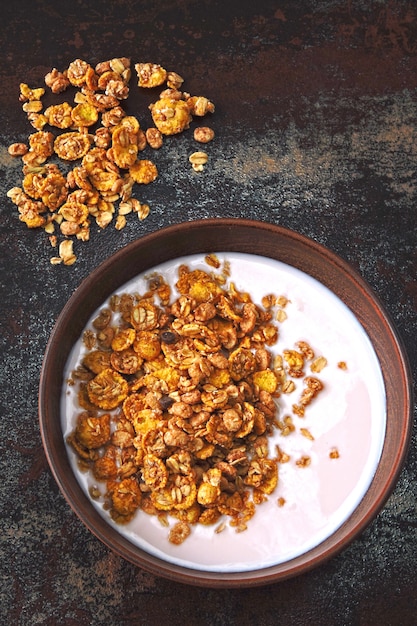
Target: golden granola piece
{"x":179,"y":494}
{"x":126,"y":361}
{"x":143,"y":171}
{"x":123,"y":339}
{"x":74,"y":212}
{"x":262,"y":474}
{"x":198,"y":285}
{"x":32,"y":182}
{"x":145,"y":316}
{"x":59,"y":115}
{"x":57,"y":81}
{"x":242,"y":362}
{"x":295,"y":362}
{"x":124,"y":148}
{"x":17,"y":149}
{"x":125,"y":497}
{"x":107,"y":389}
{"x":208,"y":494}
{"x":171,"y":116}
{"x":92,"y":432}
{"x":144,"y":420}
{"x":53,"y":190}
{"x":203,"y":134}
{"x":154,"y":472}
{"x":150,"y":74}
{"x":179,"y":533}
{"x":84,"y":114}
{"x":147,"y":344}
{"x":266,"y":380}
{"x":42,"y":144}
{"x":199,"y":106}
{"x":26,"y":93}
{"x":77,"y":72}
{"x":96,"y":361}
{"x":72,"y":146}
{"x":105,"y":467}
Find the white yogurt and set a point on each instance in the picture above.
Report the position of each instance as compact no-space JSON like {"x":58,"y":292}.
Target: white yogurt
{"x":349,"y":414}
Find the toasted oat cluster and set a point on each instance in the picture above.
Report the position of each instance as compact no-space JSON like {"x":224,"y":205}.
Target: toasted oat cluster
{"x":97,"y":146}
{"x":179,"y":398}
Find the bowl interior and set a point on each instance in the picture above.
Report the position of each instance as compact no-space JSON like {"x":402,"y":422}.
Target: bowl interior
{"x":200,"y":237}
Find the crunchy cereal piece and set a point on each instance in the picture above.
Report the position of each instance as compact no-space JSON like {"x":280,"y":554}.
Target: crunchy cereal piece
{"x":72,"y":145}
{"x":40,"y":146}
{"x":77,"y":72}
{"x":334,"y":453}
{"x":91,"y":431}
{"x":147,"y":344}
{"x":66,"y":252}
{"x":170,"y":116}
{"x":303,"y":461}
{"x":318,"y":364}
{"x":125,"y":498}
{"x":266,"y":380}
{"x":123,"y":339}
{"x":126,"y":361}
{"x":200,"y":106}
{"x":154,"y":472}
{"x":179,"y":533}
{"x":125,"y":148}
{"x":102,"y":173}
{"x":150,"y":74}
{"x":174,"y":80}
{"x":107,"y":389}
{"x":143,"y":171}
{"x":295,"y":362}
{"x":74,"y":212}
{"x":84,"y":114}
{"x":306,"y":350}
{"x":59,"y":115}
{"x":17,"y":149}
{"x":198,"y":160}
{"x":203,"y":134}
{"x":306,"y":433}
{"x":145,"y":316}
{"x":57,"y":81}
{"x":26,"y":93}
{"x":96,"y":361}
{"x":154,"y":138}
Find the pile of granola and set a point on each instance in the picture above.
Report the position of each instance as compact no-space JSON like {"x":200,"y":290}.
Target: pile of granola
{"x":97,"y":146}
{"x":178,"y":401}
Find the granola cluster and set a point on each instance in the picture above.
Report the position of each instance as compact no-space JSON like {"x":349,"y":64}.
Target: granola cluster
{"x":97,"y":146}
{"x":178,"y":401}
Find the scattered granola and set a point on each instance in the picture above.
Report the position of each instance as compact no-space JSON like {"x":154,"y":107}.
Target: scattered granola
{"x":97,"y":145}
{"x":178,"y":398}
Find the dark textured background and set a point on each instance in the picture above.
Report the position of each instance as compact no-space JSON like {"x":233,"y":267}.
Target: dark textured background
{"x":316,"y":128}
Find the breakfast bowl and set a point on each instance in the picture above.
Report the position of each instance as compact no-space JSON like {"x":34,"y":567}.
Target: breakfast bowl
{"x":334,"y":457}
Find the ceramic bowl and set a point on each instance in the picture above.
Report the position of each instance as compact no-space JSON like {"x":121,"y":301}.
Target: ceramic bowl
{"x":269,"y":242}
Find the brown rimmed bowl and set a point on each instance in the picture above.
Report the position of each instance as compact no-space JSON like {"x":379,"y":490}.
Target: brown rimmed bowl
{"x":252,"y":237}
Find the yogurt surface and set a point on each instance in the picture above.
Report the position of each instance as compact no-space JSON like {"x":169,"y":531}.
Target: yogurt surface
{"x":349,"y":415}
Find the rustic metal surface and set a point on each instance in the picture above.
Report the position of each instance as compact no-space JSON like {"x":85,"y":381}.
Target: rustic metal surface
{"x":316,"y":123}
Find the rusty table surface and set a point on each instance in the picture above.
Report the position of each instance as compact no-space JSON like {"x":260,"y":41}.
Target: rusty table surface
{"x":316,"y":130}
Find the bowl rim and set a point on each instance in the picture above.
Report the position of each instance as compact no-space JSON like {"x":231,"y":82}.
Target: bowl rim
{"x":301,"y":252}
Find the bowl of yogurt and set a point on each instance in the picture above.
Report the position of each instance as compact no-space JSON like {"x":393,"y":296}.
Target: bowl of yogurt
{"x":337,"y":461}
